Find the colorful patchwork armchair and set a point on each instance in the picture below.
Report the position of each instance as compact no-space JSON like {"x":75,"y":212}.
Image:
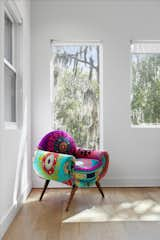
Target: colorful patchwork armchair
{"x":58,"y":158}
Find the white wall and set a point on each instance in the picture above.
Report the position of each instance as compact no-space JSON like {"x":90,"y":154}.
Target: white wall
{"x":134,"y":152}
{"x":15,"y":154}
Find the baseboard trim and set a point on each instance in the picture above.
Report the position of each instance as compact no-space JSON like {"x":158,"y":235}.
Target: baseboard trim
{"x":13,"y":210}
{"x":111,"y":182}
{"x":131,"y":182}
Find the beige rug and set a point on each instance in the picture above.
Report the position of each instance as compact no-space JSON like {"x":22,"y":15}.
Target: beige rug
{"x":142,"y":210}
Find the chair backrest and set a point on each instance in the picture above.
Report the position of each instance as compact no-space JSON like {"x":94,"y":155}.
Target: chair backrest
{"x":58,"y":141}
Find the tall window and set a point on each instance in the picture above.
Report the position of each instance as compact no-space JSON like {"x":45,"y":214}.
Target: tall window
{"x":145,"y":93}
{"x":11,"y":65}
{"x":75,"y":73}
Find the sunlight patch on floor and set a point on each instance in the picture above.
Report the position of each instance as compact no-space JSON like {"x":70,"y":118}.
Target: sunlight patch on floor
{"x":141,"y":210}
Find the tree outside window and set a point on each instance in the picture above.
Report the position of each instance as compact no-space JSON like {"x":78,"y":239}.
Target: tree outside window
{"x":75,"y":71}
{"x":145,"y":93}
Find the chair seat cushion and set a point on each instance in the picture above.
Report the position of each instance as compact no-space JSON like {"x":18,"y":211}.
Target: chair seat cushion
{"x":87,"y":165}
{"x":87,"y":171}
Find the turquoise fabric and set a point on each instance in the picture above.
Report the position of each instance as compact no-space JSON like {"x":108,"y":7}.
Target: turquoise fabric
{"x":54,"y":166}
{"x":86,"y":171}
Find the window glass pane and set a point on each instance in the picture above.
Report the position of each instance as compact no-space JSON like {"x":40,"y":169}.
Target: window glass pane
{"x":145,"y":95}
{"x":10,"y":95}
{"x":8,"y":39}
{"x":75,"y":106}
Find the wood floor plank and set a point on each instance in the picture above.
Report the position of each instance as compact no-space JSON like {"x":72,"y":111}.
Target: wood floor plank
{"x":48,"y":220}
{"x":70,"y":232}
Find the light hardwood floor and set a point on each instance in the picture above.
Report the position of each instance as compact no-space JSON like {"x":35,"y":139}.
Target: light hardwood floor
{"x":47,"y":220}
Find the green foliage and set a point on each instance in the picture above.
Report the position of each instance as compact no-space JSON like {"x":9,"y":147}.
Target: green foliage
{"x":76,"y":98}
{"x":145,"y":104}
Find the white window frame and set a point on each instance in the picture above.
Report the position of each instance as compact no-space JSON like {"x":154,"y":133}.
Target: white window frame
{"x":81,"y":42}
{"x":144,"y":125}
{"x":13,"y":13}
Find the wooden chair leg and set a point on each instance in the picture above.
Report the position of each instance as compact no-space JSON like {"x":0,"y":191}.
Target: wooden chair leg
{"x":44,"y":189}
{"x":99,"y":188}
{"x":74,"y":189}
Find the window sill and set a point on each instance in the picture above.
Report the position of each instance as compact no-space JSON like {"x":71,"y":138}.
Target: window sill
{"x":145,"y":126}
{"x":10,"y":126}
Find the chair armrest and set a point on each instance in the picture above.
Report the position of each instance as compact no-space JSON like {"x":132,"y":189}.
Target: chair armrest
{"x":54,"y":166}
{"x":94,"y":154}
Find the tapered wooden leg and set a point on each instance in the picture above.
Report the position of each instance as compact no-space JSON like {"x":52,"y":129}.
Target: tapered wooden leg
{"x":99,"y":188}
{"x":44,"y":189}
{"x":74,"y":189}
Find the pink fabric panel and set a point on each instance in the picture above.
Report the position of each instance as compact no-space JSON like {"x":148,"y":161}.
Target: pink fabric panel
{"x":102,"y":156}
{"x":86,"y":153}
{"x":86,"y":164}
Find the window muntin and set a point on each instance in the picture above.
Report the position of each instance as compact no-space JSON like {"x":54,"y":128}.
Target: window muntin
{"x":75,"y":73}
{"x":145,"y":90}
